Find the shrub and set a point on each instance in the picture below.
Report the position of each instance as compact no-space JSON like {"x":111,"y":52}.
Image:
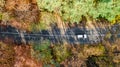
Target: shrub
{"x":94,"y":50}
{"x":42,"y":51}
{"x":61,"y":52}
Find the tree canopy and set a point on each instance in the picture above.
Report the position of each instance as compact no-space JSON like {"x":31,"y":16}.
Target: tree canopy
{"x":72,"y":10}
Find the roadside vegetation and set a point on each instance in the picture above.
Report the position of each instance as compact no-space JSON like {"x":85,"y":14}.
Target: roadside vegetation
{"x":36,"y":15}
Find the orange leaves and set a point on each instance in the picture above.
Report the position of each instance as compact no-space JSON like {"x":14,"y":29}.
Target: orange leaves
{"x":23,"y":13}
{"x":20,"y":25}
{"x":18,"y":4}
{"x":23,"y":57}
{"x":10,"y":4}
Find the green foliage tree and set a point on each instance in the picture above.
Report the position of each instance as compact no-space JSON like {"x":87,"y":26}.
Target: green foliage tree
{"x":72,"y":10}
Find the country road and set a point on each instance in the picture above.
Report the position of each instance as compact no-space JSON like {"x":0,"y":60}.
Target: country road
{"x":72,"y":36}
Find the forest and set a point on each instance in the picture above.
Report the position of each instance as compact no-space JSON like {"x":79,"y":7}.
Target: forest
{"x":59,"y":33}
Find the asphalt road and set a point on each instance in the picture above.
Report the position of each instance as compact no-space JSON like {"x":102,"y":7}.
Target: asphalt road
{"x":72,"y":35}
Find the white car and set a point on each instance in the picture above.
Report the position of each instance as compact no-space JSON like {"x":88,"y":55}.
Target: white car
{"x":82,"y":36}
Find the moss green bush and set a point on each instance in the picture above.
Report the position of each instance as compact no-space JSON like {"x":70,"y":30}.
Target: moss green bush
{"x":45,"y":20}
{"x":42,"y":51}
{"x":61,"y":52}
{"x":94,"y":50}
{"x":4,"y":16}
